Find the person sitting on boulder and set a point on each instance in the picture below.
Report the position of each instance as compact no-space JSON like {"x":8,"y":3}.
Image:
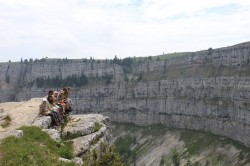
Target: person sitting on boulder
{"x":55,"y":95}
{"x":46,"y":109}
{"x":54,"y":110}
{"x":67,"y":100}
{"x":43,"y":107}
{"x":50,"y":93}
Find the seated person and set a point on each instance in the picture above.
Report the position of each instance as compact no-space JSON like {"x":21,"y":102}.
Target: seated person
{"x":55,"y":95}
{"x":48,"y":109}
{"x":43,"y":107}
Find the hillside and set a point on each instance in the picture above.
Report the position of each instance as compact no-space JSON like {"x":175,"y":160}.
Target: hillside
{"x":205,"y":90}
{"x":157,"y":145}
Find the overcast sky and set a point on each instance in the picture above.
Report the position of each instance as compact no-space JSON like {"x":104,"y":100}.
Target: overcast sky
{"x":126,"y":28}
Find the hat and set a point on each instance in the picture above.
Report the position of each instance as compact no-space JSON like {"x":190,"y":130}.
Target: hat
{"x":44,"y":99}
{"x":55,"y":91}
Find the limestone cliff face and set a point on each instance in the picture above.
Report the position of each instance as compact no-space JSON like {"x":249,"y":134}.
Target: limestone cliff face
{"x":206,"y":90}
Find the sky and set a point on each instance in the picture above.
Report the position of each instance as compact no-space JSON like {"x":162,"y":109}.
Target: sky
{"x":101,"y":29}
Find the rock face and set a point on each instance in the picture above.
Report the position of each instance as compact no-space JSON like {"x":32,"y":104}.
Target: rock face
{"x":205,"y":90}
{"x":87,"y":131}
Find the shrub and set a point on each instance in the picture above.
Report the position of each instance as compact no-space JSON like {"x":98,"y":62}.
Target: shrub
{"x":105,"y":156}
{"x":98,"y":126}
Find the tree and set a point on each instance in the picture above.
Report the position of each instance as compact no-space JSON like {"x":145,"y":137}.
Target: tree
{"x":127,"y":62}
{"x":26,"y":61}
{"x":106,"y":156}
{"x":176,"y":158}
{"x":116,"y":60}
{"x":210,"y":51}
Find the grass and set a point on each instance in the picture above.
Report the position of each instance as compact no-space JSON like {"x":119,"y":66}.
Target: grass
{"x":98,"y":126}
{"x":34,"y":148}
{"x":7,"y":122}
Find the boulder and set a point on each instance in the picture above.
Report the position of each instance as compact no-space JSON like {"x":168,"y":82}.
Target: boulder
{"x":81,"y":125}
{"x":64,"y":160}
{"x":43,"y":122}
{"x":53,"y":133}
{"x":3,"y":116}
{"x":78,"y":161}
{"x":1,"y":129}
{"x":16,"y":133}
{"x":84,"y":143}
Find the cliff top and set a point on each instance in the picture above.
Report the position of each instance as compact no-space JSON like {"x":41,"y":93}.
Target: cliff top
{"x":20,"y":113}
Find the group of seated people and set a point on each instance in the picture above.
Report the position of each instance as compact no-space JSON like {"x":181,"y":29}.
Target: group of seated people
{"x":57,"y":105}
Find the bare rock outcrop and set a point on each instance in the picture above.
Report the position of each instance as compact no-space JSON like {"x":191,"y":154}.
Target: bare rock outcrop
{"x":86,"y":131}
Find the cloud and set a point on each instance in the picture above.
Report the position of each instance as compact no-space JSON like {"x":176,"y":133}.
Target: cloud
{"x":105,"y":28}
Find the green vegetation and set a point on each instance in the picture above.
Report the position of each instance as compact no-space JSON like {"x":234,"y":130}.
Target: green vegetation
{"x":123,"y":146}
{"x":162,"y":162}
{"x":34,"y":148}
{"x":138,"y":141}
{"x":205,"y":70}
{"x":107,"y":79}
{"x":72,"y":80}
{"x":196,"y":142}
{"x":6,"y":122}
{"x":106,"y":156}
{"x":162,"y":57}
{"x":175,"y":158}
{"x":98,"y":126}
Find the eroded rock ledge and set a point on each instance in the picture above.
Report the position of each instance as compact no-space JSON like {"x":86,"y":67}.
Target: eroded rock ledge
{"x":86,"y":131}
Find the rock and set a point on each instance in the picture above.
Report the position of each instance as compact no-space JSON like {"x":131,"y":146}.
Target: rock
{"x":81,"y":125}
{"x":64,"y":160}
{"x":78,"y":160}
{"x":3,"y":116}
{"x":16,"y":133}
{"x":1,"y":129}
{"x":43,"y":122}
{"x":84,"y":143}
{"x":53,"y":133}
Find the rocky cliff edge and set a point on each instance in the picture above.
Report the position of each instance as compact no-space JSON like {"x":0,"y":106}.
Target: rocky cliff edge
{"x":86,"y":131}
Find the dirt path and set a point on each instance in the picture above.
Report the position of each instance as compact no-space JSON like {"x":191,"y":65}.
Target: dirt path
{"x":21,"y":113}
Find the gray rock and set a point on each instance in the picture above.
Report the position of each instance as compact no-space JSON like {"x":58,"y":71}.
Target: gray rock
{"x":1,"y":128}
{"x":64,"y":160}
{"x":43,"y":122}
{"x":81,"y":125}
{"x":84,"y":143}
{"x":53,"y":133}
{"x":16,"y":133}
{"x":78,"y":160}
{"x":3,"y":116}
